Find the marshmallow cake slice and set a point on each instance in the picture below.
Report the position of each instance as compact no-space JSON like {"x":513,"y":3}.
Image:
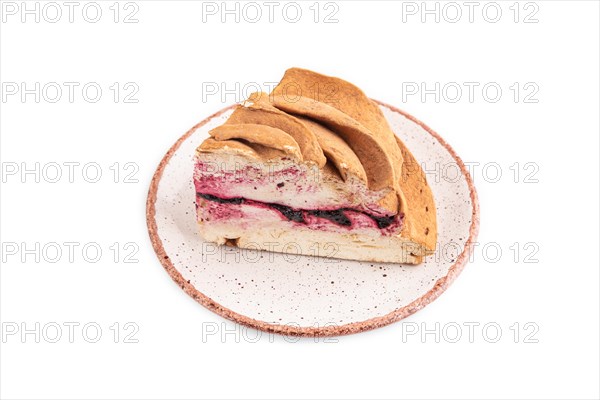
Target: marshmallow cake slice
{"x":313,"y":168}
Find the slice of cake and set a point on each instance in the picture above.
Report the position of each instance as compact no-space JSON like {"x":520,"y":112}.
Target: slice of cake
{"x":313,"y":168}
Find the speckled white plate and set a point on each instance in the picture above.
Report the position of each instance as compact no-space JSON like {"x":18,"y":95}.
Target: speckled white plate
{"x":302,"y":295}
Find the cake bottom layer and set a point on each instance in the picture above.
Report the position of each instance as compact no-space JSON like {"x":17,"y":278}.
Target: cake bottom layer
{"x":284,"y":237}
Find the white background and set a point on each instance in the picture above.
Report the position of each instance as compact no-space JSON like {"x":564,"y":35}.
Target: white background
{"x":171,"y":55}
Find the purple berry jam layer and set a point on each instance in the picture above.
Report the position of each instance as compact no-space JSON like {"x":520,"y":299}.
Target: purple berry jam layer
{"x":218,"y":208}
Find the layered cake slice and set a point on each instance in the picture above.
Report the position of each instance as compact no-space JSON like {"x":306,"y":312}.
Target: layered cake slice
{"x":313,"y":168}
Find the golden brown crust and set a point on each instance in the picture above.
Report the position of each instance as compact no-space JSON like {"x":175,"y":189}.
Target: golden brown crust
{"x":258,"y":110}
{"x":357,"y":111}
{"x":337,"y":151}
{"x":211,"y":145}
{"x":346,"y":98}
{"x":372,"y":155}
{"x":420,"y":225}
{"x":251,"y":150}
{"x":260,"y":134}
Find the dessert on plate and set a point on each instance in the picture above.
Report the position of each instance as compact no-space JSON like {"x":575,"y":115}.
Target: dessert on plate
{"x":314,"y":168}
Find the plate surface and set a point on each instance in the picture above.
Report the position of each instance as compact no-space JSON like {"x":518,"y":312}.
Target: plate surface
{"x":305,"y":295}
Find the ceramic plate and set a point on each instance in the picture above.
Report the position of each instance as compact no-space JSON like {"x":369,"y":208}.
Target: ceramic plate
{"x":306,"y":295}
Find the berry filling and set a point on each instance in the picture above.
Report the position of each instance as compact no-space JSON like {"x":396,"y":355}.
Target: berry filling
{"x":337,"y":216}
